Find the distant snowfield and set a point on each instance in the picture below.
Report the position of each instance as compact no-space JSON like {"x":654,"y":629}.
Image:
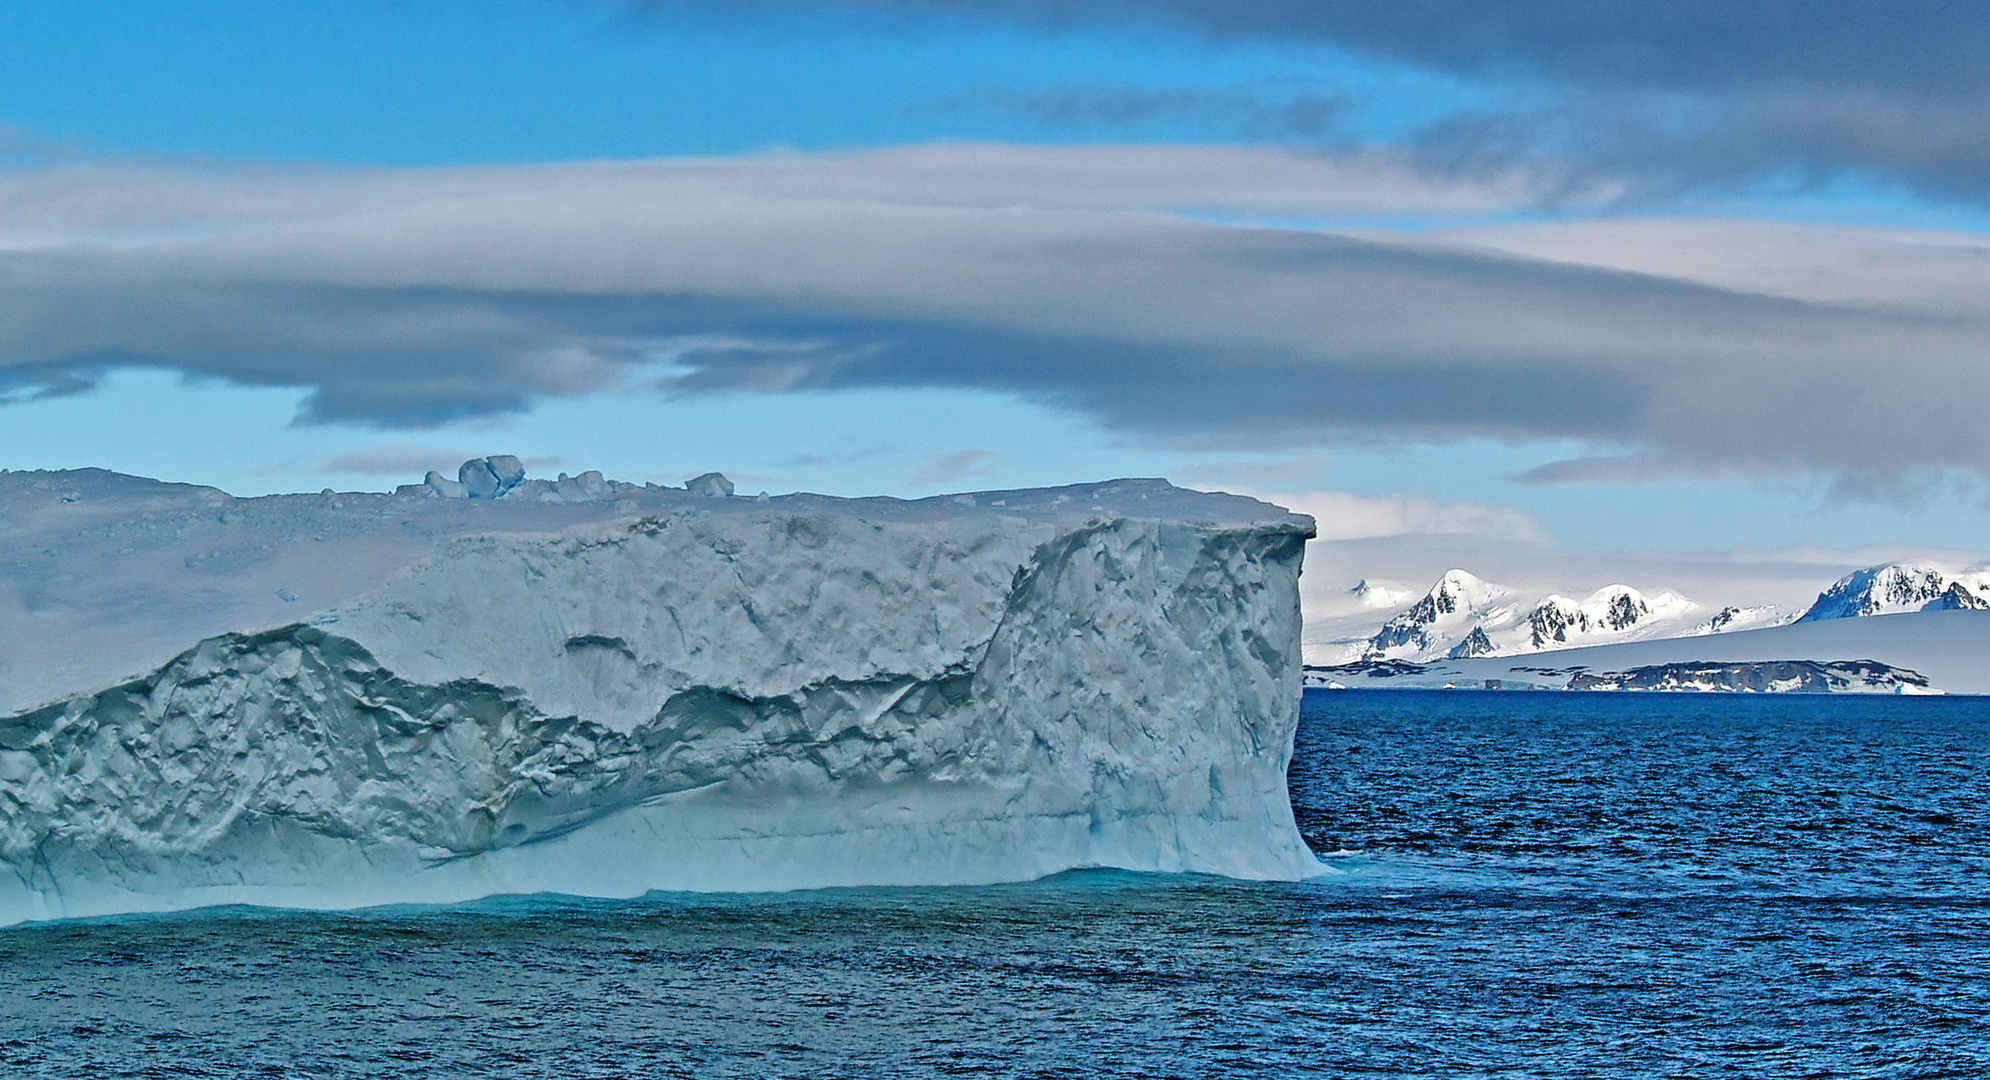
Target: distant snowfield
{"x":1950,"y":648}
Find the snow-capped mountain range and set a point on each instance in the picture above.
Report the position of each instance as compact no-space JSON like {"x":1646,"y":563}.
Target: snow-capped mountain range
{"x":1463,"y":616}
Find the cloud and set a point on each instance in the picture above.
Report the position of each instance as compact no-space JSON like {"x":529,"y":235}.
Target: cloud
{"x":1914,"y":43}
{"x":1264,"y":109}
{"x":1061,"y":275}
{"x":1931,"y":273}
{"x":1256,"y":475}
{"x":947,"y":468}
{"x":35,"y":382}
{"x":1669,"y":94}
{"x":1625,"y":469}
{"x":397,"y":459}
{"x":1341,"y":515}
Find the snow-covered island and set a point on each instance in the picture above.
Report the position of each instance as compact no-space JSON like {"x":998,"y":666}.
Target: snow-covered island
{"x":494,"y":684}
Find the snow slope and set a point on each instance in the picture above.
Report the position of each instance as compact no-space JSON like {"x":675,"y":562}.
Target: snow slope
{"x":605,"y":689}
{"x":1464,"y":616}
{"x":1948,"y":647}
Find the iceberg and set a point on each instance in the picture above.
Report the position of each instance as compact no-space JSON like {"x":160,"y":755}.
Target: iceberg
{"x":501,"y":685}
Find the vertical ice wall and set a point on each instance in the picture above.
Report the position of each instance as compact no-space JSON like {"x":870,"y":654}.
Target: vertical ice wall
{"x":762,"y":698}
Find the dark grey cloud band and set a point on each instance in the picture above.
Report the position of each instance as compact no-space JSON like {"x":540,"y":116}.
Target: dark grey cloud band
{"x":1667,"y":95}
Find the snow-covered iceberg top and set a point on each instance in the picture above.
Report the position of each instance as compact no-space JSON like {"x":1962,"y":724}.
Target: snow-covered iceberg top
{"x":105,"y":576}
{"x":584,"y":686}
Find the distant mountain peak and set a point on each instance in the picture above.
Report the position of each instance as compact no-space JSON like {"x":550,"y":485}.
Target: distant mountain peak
{"x":1893,"y":588}
{"x":1612,"y":609}
{"x":1958,"y":597}
{"x":1375,"y":594}
{"x":1456,"y":597}
{"x":1464,"y":616}
{"x":1473,"y":644}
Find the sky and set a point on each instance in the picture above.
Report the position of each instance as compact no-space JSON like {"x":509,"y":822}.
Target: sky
{"x":1589,"y":275}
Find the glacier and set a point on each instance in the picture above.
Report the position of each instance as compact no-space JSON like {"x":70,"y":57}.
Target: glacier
{"x":500,"y":685}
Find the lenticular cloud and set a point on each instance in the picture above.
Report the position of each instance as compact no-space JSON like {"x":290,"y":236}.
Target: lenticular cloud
{"x":1094,"y":278}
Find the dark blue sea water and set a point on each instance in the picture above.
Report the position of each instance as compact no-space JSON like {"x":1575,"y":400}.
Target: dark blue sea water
{"x":1524,"y":885}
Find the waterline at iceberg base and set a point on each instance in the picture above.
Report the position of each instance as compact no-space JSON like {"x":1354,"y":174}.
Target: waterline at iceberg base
{"x":670,"y":691}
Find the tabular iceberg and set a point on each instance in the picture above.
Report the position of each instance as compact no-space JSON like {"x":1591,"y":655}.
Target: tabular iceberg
{"x":623,"y":688}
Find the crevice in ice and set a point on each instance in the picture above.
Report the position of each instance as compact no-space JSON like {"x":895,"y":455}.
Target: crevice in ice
{"x":304,"y":727}
{"x":601,"y":641}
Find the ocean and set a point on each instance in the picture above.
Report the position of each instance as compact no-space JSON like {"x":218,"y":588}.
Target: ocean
{"x":1517,"y":884}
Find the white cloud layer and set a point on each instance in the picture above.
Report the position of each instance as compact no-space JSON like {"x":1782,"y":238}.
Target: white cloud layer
{"x":1343,"y":515}
{"x":1088,"y":277}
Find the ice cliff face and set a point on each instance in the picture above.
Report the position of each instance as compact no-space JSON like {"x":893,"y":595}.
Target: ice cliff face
{"x":649,"y":689}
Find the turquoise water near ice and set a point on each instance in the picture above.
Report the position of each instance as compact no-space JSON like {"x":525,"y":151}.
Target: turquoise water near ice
{"x":1518,"y":885}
